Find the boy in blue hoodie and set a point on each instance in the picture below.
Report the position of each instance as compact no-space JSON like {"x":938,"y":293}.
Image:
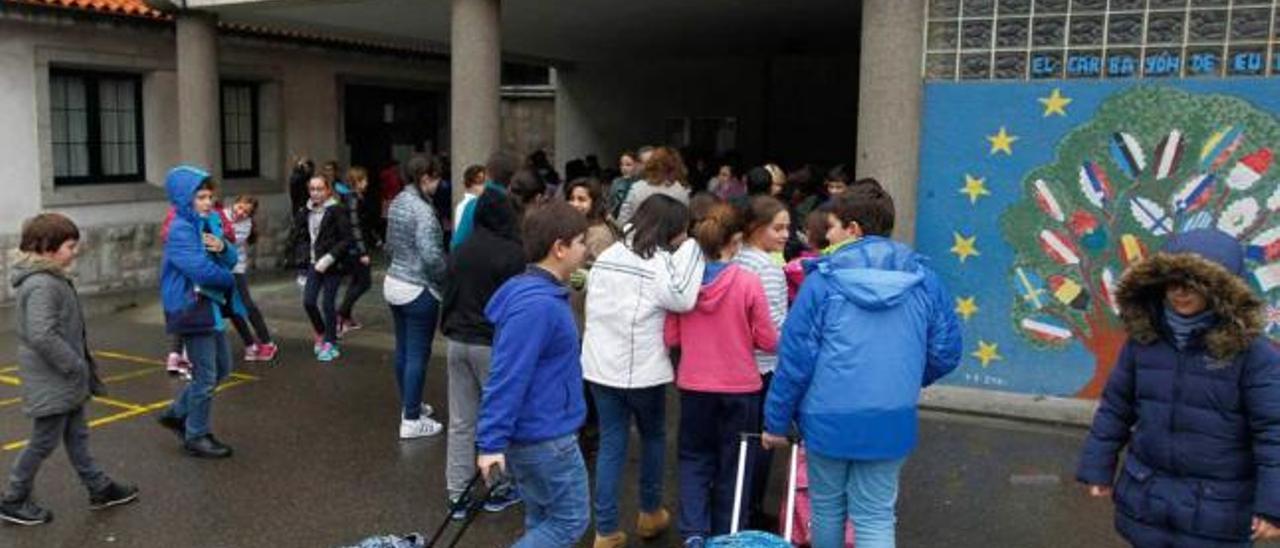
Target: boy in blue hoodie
{"x":871,"y":326}
{"x":196,"y":286}
{"x":533,"y":405}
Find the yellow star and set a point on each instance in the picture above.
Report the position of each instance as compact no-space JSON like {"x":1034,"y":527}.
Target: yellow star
{"x":975,"y":187}
{"x":1002,"y":142}
{"x":965,"y":247}
{"x":1055,"y":103}
{"x":987,"y":353}
{"x":966,"y":307}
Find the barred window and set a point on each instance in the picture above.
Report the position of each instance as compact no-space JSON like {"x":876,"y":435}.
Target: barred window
{"x":239,"y":130}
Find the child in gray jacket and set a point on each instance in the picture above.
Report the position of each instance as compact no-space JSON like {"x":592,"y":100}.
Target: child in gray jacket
{"x":58,"y":373}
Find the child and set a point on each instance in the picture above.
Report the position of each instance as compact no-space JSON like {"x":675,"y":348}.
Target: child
{"x":726,"y":184}
{"x":533,"y":403}
{"x":718,"y":377}
{"x":767,"y":227}
{"x":586,"y":196}
{"x":352,"y":194}
{"x":196,"y":284}
{"x":177,"y":363}
{"x":258,"y":346}
{"x":58,"y":373}
{"x":871,"y":326}
{"x":1195,"y":397}
{"x":472,"y":185}
{"x":816,"y":226}
{"x":321,"y":241}
{"x":838,"y":181}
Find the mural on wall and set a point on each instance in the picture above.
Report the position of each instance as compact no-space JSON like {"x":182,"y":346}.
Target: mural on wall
{"x":1035,"y":198}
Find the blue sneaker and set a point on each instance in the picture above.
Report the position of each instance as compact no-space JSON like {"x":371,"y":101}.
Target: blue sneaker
{"x":501,"y":500}
{"x":458,"y":510}
{"x":328,"y":353}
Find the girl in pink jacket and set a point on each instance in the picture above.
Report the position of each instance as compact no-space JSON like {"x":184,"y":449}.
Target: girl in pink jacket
{"x":718,"y":377}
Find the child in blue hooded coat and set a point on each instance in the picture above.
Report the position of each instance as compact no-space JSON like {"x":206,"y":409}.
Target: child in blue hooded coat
{"x":1195,"y":398}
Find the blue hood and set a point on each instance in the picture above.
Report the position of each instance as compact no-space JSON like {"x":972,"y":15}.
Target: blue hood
{"x":875,"y":273}
{"x":181,"y":184}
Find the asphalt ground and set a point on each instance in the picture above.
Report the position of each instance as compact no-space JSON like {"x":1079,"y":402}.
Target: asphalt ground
{"x":318,"y":462}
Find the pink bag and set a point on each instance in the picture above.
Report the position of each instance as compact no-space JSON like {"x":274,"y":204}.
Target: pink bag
{"x":801,"y":535}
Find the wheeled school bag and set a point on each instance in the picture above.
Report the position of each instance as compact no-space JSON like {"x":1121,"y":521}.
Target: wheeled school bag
{"x":802,"y":510}
{"x":757,"y":539}
{"x":415,"y":540}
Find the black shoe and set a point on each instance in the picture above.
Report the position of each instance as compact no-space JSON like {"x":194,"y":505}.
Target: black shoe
{"x":24,"y":512}
{"x":176,"y":424}
{"x":206,"y":447}
{"x":113,"y":495}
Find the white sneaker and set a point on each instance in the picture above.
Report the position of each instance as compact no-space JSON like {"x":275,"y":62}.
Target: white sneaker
{"x":427,"y":411}
{"x":421,"y":428}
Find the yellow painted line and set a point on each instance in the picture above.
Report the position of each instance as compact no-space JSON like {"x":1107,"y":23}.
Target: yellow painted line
{"x":10,"y":401}
{"x":126,"y":376}
{"x":127,"y":357}
{"x":118,"y":403}
{"x":11,"y":381}
{"x":9,"y":369}
{"x":136,"y":410}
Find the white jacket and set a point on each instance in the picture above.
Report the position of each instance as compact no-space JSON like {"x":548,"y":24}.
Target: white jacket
{"x":628,"y":299}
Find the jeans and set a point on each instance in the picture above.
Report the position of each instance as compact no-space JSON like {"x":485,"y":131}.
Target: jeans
{"x":710,"y":442}
{"x":326,"y":325}
{"x":468,"y":371}
{"x":72,"y":430}
{"x":552,"y":478}
{"x":361,"y":280}
{"x":415,"y":325}
{"x":210,"y":363}
{"x":616,"y":406}
{"x":866,"y":491}
{"x":260,"y":333}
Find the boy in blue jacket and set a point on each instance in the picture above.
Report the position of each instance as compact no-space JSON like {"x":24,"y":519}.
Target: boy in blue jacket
{"x":871,"y":326}
{"x":533,"y":405}
{"x":196,"y":286}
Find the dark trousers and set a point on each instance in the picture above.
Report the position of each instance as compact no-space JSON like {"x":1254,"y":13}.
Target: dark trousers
{"x":763,"y":462}
{"x":710,"y":429}
{"x":361,"y":280}
{"x":326,"y":325}
{"x":260,"y":333}
{"x":72,"y":430}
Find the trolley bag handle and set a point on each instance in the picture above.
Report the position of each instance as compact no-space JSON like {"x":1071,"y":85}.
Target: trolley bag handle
{"x":471,"y":508}
{"x":743,"y":444}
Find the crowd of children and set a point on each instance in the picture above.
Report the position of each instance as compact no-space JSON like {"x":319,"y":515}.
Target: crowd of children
{"x":548,"y":293}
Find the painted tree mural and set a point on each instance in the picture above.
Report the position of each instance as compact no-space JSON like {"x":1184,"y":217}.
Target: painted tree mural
{"x":1152,"y":162}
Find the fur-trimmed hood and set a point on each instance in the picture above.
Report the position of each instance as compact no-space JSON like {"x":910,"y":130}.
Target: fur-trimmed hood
{"x":1210,"y":262}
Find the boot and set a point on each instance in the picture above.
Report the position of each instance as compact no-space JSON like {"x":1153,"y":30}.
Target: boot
{"x":651,"y":525}
{"x":616,"y":540}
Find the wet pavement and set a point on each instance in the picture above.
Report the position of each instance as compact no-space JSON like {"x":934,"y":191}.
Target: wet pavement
{"x":318,"y":462}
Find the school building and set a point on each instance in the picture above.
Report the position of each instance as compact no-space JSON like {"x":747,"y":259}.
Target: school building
{"x":1034,"y":148}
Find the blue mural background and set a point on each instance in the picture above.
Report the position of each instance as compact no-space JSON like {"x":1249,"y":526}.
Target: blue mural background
{"x":997,"y":133}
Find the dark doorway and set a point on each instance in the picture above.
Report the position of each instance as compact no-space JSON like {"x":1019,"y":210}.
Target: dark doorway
{"x":383,"y":123}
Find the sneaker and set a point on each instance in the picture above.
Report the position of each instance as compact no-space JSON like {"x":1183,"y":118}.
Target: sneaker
{"x":421,"y":428}
{"x":651,"y":525}
{"x":503,"y":499}
{"x":24,"y":512}
{"x":695,"y":542}
{"x":113,"y":495}
{"x":267,"y":352}
{"x":347,"y":325}
{"x":458,"y":510}
{"x":427,"y":411}
{"x":319,"y":344}
{"x":251,"y":353}
{"x":174,"y":365}
{"x":328,"y":352}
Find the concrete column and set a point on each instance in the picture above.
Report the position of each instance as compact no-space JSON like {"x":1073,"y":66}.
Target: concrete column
{"x":476,"y":68}
{"x":198,"y":91}
{"x":889,"y":103}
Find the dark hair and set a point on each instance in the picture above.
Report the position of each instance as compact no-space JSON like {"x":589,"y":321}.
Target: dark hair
{"x":666,"y":167}
{"x":253,"y":202}
{"x":815,"y":227}
{"x":599,"y":208}
{"x":635,"y":157}
{"x":716,"y":229}
{"x":501,"y":167}
{"x":867,"y":204}
{"x":759,"y":181}
{"x":422,"y":165}
{"x":546,"y":225}
{"x":526,"y":188}
{"x":46,"y":232}
{"x":840,"y":173}
{"x":760,"y":212}
{"x":208,"y":184}
{"x":700,"y":204}
{"x":471,"y":174}
{"x":658,"y":220}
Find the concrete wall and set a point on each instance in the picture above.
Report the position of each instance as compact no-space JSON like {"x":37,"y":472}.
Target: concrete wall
{"x":300,"y":113}
{"x":529,"y":124}
{"x":789,"y":108}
